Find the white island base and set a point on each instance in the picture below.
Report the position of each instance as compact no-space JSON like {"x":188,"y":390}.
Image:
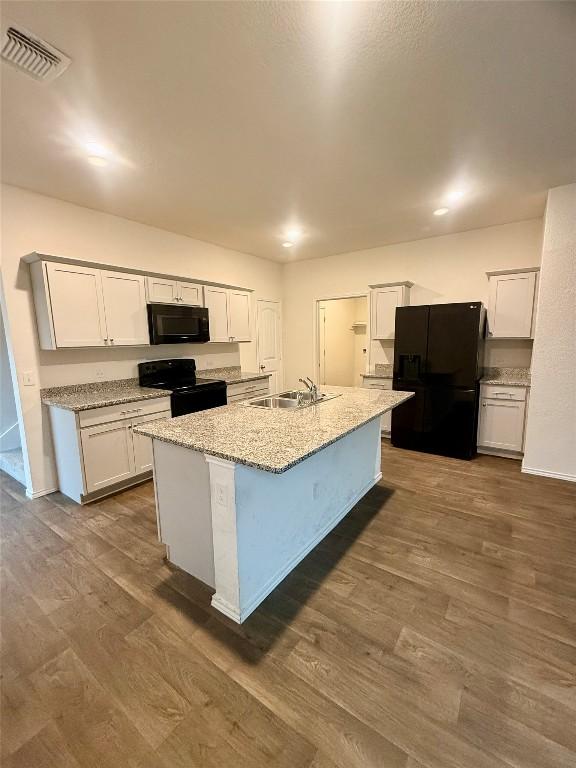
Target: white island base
{"x":241,"y":530}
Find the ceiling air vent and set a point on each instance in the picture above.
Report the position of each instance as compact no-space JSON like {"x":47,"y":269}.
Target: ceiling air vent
{"x":31,"y":55}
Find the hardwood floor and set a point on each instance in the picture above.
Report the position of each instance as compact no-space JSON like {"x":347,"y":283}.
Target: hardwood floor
{"x":434,"y":628}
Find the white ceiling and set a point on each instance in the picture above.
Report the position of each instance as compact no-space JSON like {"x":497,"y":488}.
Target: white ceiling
{"x":231,"y":120}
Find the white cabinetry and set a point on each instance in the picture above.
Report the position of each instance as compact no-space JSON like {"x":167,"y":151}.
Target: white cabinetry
{"x":163,"y":290}
{"x":228,"y":314}
{"x":97,"y":450}
{"x":511,"y":300}
{"x":384,"y":299}
{"x":85,"y":307}
{"x":369,"y":382}
{"x":247,"y":390}
{"x":501,"y":418}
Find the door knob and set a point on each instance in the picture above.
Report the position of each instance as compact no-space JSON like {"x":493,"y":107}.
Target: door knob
{"x":262,"y":367}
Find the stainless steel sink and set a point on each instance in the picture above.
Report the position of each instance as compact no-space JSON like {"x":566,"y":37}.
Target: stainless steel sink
{"x":292,"y":398}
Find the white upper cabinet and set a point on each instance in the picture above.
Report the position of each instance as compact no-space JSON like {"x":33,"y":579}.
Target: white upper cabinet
{"x":125,"y":308}
{"x":74,"y":305}
{"x":162,"y":290}
{"x":228,"y":314}
{"x":511,"y":300}
{"x":85,"y":307}
{"x":239,"y":315}
{"x":384,"y":299}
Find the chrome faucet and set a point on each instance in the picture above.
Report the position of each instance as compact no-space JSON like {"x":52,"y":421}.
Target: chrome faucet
{"x":311,"y":387}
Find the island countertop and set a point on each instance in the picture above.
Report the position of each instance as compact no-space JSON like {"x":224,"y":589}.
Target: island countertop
{"x":274,"y":440}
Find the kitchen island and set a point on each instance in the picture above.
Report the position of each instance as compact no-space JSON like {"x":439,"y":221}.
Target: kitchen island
{"x":244,"y":493}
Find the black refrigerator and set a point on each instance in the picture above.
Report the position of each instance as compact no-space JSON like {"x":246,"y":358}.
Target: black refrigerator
{"x":438,"y":354}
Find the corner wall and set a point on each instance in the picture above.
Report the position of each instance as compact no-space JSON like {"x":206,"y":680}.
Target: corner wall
{"x":550,"y":446}
{"x":32,"y":222}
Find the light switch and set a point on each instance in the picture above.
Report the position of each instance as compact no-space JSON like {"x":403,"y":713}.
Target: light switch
{"x":28,"y":378}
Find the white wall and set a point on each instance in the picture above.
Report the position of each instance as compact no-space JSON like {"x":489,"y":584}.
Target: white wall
{"x":443,"y":269}
{"x":8,"y":413}
{"x":550,"y":446}
{"x":32,"y":222}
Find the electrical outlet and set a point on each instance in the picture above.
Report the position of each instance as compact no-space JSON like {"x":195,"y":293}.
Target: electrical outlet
{"x":28,"y":378}
{"x":99,"y":373}
{"x":221,"y":494}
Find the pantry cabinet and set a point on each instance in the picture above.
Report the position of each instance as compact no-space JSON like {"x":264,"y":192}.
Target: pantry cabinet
{"x":97,"y":450}
{"x":501,"y":419}
{"x":511,"y":303}
{"x":384,"y":299}
{"x":229,"y":314}
{"x":161,"y":290}
{"x":86,"y":307}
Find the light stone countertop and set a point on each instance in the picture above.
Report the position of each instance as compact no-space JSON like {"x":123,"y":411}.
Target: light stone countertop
{"x":381,"y":371}
{"x":275,"y":440}
{"x":231,"y":375}
{"x":507,"y":377}
{"x":82,"y":397}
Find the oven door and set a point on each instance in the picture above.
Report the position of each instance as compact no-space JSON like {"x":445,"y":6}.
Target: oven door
{"x":171,"y":324}
{"x":201,"y":399}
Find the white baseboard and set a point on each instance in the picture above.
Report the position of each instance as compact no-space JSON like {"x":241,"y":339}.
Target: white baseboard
{"x":254,"y":602}
{"x":37,"y":494}
{"x":517,"y":455}
{"x":555,"y":475}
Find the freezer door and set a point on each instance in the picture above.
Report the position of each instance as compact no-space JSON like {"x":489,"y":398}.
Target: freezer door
{"x":455,"y":333}
{"x":411,"y":344}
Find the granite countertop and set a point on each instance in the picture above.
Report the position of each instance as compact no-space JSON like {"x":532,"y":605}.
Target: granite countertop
{"x":82,"y":397}
{"x":231,"y":375}
{"x":381,"y":371}
{"x":275,"y":440}
{"x":509,"y":377}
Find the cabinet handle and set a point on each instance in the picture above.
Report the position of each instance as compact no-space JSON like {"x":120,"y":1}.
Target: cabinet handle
{"x":111,"y":341}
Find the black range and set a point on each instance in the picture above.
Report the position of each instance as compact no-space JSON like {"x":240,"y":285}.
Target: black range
{"x":189,"y":393}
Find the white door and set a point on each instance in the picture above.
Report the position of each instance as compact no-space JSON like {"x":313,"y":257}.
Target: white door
{"x":269,"y":342}
{"x":77,"y":307}
{"x":501,"y":424}
{"x":239,"y":315}
{"x":143,"y":444}
{"x":191,"y":294}
{"x":108,"y":454}
{"x":125,"y":308}
{"x":383,"y":303}
{"x":216,"y":301}
{"x":321,"y":344}
{"x":511,"y":305}
{"x":160,"y":290}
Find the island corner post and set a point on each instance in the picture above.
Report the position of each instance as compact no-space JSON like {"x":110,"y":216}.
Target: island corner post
{"x":240,"y":529}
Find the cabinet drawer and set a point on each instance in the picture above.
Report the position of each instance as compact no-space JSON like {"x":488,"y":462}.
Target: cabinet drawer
{"x":377,"y":383}
{"x":247,"y":388}
{"x":126,"y":410}
{"x":497,"y":392}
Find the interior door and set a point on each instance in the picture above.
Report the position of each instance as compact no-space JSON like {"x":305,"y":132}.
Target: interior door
{"x":269,"y":342}
{"x":77,"y":306}
{"x":108,"y":454}
{"x":125,"y":308}
{"x":321,"y":344}
{"x":216,"y":301}
{"x":142,"y":444}
{"x":239,"y":315}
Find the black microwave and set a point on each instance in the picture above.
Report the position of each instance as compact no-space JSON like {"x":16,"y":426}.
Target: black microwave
{"x":173,"y":324}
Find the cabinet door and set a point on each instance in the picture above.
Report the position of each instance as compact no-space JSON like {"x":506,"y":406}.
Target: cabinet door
{"x":160,"y":290}
{"x":191,"y":294}
{"x":143,"y":444}
{"x":385,"y":419}
{"x":216,"y":301}
{"x":76,"y":305}
{"x":511,"y":305}
{"x":125,"y":308}
{"x":108,"y":454}
{"x":239,"y":315}
{"x":501,"y":424}
{"x":383,"y":303}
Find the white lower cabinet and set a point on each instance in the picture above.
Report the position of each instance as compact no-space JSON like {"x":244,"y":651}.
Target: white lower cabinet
{"x":98,"y":449}
{"x":501,"y":418}
{"x":369,"y":382}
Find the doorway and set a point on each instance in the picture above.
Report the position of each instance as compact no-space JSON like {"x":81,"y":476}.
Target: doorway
{"x":342,"y":340}
{"x":269,"y":342}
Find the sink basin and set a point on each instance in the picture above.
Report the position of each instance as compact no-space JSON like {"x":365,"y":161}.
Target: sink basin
{"x":290,"y":399}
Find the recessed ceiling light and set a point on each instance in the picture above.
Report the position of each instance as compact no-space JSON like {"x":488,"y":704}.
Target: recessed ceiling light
{"x":441,"y":211}
{"x":293,"y":234}
{"x":287,"y":244}
{"x":97,"y":160}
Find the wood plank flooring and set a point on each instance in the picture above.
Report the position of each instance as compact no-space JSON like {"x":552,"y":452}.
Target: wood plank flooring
{"x":434,"y":628}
